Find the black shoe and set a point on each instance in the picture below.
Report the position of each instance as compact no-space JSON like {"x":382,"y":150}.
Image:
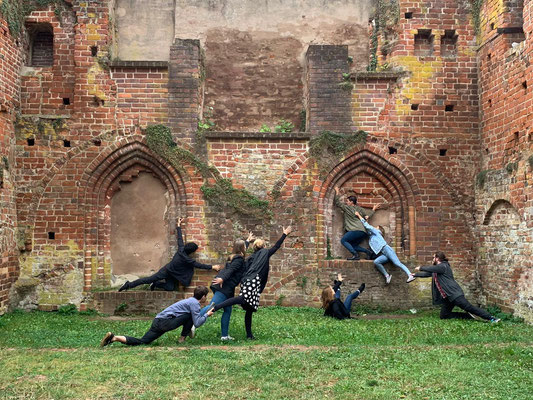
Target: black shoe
{"x":355,"y":257}
{"x":152,"y":286}
{"x":251,"y":337}
{"x":361,"y":288}
{"x":126,"y":286}
{"x":107,"y":339}
{"x":372,"y":256}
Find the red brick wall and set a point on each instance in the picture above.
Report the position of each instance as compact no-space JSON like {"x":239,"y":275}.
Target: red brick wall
{"x":10,"y":62}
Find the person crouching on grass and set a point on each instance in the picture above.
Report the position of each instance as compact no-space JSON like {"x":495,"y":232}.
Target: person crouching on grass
{"x":184,"y":313}
{"x":331,"y":300}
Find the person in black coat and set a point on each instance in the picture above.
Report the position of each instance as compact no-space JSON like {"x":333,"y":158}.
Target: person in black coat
{"x":447,"y":292}
{"x":331,"y":300}
{"x":223,"y":285}
{"x":254,"y":280}
{"x":179,"y":269}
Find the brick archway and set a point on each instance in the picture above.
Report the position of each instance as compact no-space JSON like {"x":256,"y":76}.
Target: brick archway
{"x":103,"y":179}
{"x":394,"y":184}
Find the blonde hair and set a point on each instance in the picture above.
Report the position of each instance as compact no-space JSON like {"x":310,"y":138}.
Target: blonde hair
{"x":239,"y":249}
{"x":327,"y":296}
{"x":258,"y":244}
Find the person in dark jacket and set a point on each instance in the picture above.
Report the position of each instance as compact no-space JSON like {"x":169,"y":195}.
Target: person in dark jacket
{"x":447,"y":292}
{"x":254,"y":280}
{"x":223,"y":285}
{"x":179,"y":269}
{"x":331,"y":300}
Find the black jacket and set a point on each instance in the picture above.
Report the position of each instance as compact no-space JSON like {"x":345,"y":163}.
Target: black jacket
{"x":232,"y":274}
{"x":259,"y":263}
{"x":446,"y":281}
{"x":181,"y":267}
{"x":336,"y":307}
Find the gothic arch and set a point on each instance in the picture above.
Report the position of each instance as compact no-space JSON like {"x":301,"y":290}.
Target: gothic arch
{"x":394,"y":179}
{"x":102,"y":179}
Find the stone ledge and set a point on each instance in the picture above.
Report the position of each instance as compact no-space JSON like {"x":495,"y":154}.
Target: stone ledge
{"x":385,"y":75}
{"x":138,"y":64}
{"x":257,"y":135}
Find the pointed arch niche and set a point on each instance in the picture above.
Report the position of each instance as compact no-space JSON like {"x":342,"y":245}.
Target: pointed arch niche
{"x":133,"y":164}
{"x":373,"y":180}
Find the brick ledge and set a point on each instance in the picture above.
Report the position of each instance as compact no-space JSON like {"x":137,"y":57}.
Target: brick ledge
{"x":257,"y":135}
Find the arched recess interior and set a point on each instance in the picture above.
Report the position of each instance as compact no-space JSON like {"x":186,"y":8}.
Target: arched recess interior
{"x":102,"y":182}
{"x":393,"y":179}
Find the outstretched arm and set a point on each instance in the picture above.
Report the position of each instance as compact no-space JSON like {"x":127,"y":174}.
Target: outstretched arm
{"x":286,"y":232}
{"x":181,"y":245}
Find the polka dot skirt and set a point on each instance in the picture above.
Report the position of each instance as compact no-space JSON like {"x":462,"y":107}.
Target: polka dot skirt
{"x":250,"y":292}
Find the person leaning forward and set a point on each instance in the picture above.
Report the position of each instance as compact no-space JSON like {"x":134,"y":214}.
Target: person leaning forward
{"x":179,"y":269}
{"x":355,"y":231}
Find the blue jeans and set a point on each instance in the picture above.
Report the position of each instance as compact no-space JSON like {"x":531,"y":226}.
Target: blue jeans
{"x":351,"y":241}
{"x":388,"y":254}
{"x":219,"y":297}
{"x":349,"y":298}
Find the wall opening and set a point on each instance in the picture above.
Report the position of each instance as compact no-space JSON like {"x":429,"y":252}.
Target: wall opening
{"x":41,"y":52}
{"x":424,"y":43}
{"x":139,"y":227}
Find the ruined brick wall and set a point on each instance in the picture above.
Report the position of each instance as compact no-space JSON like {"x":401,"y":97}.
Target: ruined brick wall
{"x":10,"y":62}
{"x":504,"y":191}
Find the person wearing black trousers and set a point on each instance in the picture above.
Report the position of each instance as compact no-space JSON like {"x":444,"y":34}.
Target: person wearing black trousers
{"x":185,"y":313}
{"x":447,"y":292}
{"x":179,"y":269}
{"x":254,"y":280}
{"x":331,"y":300}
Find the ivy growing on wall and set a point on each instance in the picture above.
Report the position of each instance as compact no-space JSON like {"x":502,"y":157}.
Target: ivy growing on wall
{"x":385,"y":25}
{"x":328,"y":147}
{"x":217,"y":190}
{"x":476,"y":16}
{"x":16,"y":11}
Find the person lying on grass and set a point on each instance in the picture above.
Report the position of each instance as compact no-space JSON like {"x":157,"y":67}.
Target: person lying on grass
{"x":184,"y":313}
{"x":332,"y":304}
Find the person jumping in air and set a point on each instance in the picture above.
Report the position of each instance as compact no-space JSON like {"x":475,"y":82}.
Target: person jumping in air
{"x":331,"y":300}
{"x":184,"y":313}
{"x":179,"y":269}
{"x":385,"y":253}
{"x":254,"y":280}
{"x":447,"y":292}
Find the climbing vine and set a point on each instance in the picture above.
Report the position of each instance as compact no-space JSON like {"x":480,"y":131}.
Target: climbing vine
{"x":476,"y":16}
{"x":385,"y":25}
{"x":217,"y":190}
{"x":16,"y":11}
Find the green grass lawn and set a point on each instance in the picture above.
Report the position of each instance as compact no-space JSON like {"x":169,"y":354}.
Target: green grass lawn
{"x":299,"y":354}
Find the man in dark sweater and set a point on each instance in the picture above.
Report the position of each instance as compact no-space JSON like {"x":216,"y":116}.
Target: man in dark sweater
{"x":355,"y":231}
{"x":179,"y":269}
{"x":447,"y":292}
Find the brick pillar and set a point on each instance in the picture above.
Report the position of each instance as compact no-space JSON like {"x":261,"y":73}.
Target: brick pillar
{"x":184,"y":88}
{"x":328,"y":94}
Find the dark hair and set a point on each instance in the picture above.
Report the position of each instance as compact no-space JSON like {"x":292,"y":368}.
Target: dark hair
{"x":440,"y":255}
{"x":199,"y":292}
{"x":190,"y":247}
{"x":353,"y":199}
{"x":239,"y":249}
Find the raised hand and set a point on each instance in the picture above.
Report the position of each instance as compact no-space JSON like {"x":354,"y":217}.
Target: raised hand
{"x":287,"y":230}
{"x":180,"y":220}
{"x":251,"y":236}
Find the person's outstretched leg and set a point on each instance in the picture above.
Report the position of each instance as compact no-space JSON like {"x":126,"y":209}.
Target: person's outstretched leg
{"x":229,"y":302}
{"x":464,"y":304}
{"x":378,"y":263}
{"x":393,"y":258}
{"x":168,"y":285}
{"x":248,"y":324}
{"x":158,"y":276}
{"x":351,"y":297}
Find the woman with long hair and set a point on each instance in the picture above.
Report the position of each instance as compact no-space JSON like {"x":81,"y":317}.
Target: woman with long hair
{"x":331,"y":300}
{"x":254,"y":280}
{"x":223,"y":285}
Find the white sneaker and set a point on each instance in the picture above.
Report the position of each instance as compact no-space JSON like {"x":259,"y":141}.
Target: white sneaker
{"x":411,"y":278}
{"x":226,"y":338}
{"x":192,"y":332}
{"x":388,"y":279}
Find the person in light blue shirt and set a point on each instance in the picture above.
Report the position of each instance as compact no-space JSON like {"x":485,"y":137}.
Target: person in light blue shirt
{"x":184,"y":313}
{"x":385,"y":253}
